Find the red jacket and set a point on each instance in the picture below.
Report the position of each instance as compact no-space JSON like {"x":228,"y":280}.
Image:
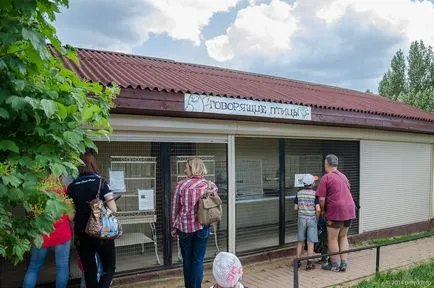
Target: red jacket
{"x":62,"y":230}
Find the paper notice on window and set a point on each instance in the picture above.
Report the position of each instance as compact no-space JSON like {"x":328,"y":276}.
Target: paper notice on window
{"x":298,"y":181}
{"x":146,"y":200}
{"x":117,"y":181}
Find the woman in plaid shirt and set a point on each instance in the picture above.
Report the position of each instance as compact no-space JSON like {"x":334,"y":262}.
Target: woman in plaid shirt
{"x":193,"y":237}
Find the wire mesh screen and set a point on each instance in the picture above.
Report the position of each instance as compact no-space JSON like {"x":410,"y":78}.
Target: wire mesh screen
{"x":257,"y":200}
{"x":132,"y":171}
{"x":307,"y":156}
{"x":348,"y":153}
{"x":301,"y":157}
{"x":215,"y":159}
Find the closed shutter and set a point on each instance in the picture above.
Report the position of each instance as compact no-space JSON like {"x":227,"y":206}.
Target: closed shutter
{"x":395,"y":184}
{"x":348,"y":153}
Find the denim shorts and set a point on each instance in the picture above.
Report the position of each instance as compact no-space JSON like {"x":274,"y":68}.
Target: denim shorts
{"x":307,"y":228}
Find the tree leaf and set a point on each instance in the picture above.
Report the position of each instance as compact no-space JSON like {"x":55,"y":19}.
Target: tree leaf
{"x":11,"y":180}
{"x":62,"y":113}
{"x":72,"y":137}
{"x":4,"y":113}
{"x":8,"y":145}
{"x":19,"y":85}
{"x":49,"y":107}
{"x":58,"y":169}
{"x":86,"y":114}
{"x":17,"y":103}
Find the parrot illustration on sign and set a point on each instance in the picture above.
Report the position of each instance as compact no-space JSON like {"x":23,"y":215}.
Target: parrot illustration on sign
{"x":196,"y":103}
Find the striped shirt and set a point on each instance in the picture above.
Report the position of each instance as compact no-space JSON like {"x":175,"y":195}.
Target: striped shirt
{"x":185,"y":203}
{"x":306,"y":201}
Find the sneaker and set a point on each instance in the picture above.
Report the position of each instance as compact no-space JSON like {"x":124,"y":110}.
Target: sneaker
{"x":309,"y":266}
{"x":343,"y":267}
{"x":331,"y":267}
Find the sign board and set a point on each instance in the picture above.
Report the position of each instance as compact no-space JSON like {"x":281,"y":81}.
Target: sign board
{"x":243,"y":107}
{"x":117,"y":181}
{"x":298,"y":181}
{"x":146,"y":200}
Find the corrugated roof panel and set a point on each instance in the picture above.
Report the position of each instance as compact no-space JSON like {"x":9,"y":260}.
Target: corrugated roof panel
{"x":151,"y":73}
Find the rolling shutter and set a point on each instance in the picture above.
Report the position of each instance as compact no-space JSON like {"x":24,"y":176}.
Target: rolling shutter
{"x":395,"y":184}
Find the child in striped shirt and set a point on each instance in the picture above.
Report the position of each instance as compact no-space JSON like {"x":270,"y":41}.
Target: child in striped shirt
{"x":307,"y":205}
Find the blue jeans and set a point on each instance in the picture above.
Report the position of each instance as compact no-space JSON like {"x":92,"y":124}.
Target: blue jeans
{"x":37,"y":261}
{"x":99,"y":272}
{"x":193,"y":249}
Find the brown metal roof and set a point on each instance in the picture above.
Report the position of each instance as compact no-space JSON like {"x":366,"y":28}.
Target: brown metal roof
{"x":139,"y":72}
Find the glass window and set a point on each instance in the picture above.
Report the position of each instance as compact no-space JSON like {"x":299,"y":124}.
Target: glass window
{"x":257,"y":187}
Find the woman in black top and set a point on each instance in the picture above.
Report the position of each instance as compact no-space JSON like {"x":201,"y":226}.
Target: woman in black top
{"x":83,"y":190}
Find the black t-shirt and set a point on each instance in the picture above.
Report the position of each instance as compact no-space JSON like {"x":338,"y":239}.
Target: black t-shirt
{"x":82,"y":191}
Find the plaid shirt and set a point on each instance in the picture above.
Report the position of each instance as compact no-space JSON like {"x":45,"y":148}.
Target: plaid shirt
{"x":185,"y":204}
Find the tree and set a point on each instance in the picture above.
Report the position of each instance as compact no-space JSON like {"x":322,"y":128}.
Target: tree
{"x":48,"y":118}
{"x":394,"y":81}
{"x":411,"y":82}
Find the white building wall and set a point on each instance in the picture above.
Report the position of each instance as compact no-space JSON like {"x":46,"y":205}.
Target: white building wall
{"x":395,"y":184}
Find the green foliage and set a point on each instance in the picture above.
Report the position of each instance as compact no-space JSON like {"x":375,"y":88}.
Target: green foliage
{"x":48,"y":118}
{"x":421,"y":275}
{"x":411,"y":80}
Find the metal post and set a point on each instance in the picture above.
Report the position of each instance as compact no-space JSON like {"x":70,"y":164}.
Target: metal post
{"x":295,"y":265}
{"x":165,"y":168}
{"x":282,"y":224}
{"x":377,"y":261}
{"x":231,"y":195}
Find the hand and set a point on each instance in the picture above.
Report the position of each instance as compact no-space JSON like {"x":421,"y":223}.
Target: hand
{"x":174,"y":234}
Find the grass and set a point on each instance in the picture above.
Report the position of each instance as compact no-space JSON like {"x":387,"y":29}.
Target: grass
{"x":420,"y":276}
{"x":381,"y":241}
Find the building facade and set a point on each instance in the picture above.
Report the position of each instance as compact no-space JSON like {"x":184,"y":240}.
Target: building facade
{"x":257,"y":134}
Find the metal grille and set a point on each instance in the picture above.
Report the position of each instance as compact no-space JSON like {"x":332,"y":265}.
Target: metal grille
{"x":257,"y":200}
{"x":348,"y":153}
{"x":301,"y":157}
{"x":141,"y":244}
{"x":215,"y":159}
{"x":307,"y":156}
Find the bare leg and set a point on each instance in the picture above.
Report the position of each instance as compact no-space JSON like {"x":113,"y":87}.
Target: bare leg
{"x":343,"y":243}
{"x":309,"y":249}
{"x":299,"y":248}
{"x":333,"y":245}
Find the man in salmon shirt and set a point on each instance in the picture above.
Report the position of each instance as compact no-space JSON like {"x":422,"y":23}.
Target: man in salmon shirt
{"x":60,"y":241}
{"x":337,"y":202}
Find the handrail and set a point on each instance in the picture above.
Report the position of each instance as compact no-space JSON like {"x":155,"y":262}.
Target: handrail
{"x":377,"y":259}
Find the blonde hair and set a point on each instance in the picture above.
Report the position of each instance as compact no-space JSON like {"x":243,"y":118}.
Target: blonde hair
{"x":197,"y":167}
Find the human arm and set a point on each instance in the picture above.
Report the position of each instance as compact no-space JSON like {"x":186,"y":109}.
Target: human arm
{"x":109,"y":197}
{"x":296,"y":203}
{"x":175,"y":205}
{"x":321,"y":194}
{"x":317,"y":207}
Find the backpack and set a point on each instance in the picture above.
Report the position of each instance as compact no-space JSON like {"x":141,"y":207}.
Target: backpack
{"x":321,"y":245}
{"x":102,"y":223}
{"x":210,"y":207}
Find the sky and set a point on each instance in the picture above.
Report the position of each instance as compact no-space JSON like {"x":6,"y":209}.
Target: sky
{"x":346,"y":43}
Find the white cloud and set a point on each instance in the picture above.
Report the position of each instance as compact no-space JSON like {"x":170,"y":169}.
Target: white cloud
{"x":123,"y":25}
{"x":264,"y":30}
{"x":269,"y":30}
{"x":415,"y":19}
{"x":184,"y":19}
{"x":219,"y":48}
